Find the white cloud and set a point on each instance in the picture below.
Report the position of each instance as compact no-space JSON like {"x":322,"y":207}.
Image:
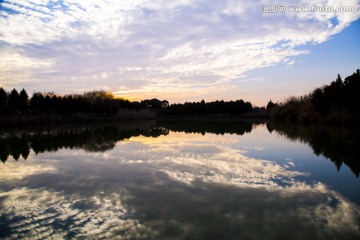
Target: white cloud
{"x":172,"y":45}
{"x":14,"y":63}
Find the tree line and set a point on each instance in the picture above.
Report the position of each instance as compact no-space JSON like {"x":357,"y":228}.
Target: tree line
{"x":95,"y":102}
{"x":102,"y":104}
{"x":336,"y":102}
{"x":203,"y":108}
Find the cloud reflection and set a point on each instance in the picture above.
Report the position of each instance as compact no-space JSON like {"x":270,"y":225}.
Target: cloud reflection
{"x":188,"y":158}
{"x":180,"y":211}
{"x":177,"y":186}
{"x":42,"y":214}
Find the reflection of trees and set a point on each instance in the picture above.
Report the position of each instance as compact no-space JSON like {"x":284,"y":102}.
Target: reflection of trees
{"x":89,"y":138}
{"x":339,"y":144}
{"x":14,"y":146}
{"x":100,"y":138}
{"x":217,"y":127}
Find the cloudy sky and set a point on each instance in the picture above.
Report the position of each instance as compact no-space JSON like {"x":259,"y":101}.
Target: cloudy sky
{"x":181,"y":50}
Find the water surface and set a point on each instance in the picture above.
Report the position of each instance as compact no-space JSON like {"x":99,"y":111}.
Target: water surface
{"x":180,"y":180}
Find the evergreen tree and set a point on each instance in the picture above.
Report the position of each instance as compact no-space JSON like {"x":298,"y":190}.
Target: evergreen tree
{"x":13,"y":101}
{"x":3,"y":102}
{"x":37,"y":103}
{"x":23,"y":101}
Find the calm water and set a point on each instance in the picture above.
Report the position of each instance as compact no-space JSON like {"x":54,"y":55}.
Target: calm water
{"x":180,"y":180}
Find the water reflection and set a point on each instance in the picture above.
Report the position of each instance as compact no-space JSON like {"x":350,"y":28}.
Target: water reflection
{"x":166,"y":209}
{"x":216,"y":127}
{"x":164,"y":181}
{"x":339,"y":144}
{"x":92,"y":138}
{"x":100,"y":138}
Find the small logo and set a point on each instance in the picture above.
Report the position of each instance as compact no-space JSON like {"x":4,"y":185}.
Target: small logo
{"x":273,"y":8}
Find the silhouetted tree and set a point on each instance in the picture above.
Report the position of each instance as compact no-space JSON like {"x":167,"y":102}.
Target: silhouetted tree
{"x":351,"y":92}
{"x":318,"y":101}
{"x":164,"y":104}
{"x":3,"y":102}
{"x":237,"y":107}
{"x":270,"y":105}
{"x":37,"y":103}
{"x":14,"y":101}
{"x":154,"y":103}
{"x":23,"y":101}
{"x":336,"y":102}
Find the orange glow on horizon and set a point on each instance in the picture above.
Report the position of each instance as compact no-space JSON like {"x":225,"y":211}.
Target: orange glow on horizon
{"x":173,"y":98}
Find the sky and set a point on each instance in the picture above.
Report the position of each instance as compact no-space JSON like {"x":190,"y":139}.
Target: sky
{"x":180,"y":50}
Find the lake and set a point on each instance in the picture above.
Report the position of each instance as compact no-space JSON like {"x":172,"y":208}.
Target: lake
{"x":180,"y":180}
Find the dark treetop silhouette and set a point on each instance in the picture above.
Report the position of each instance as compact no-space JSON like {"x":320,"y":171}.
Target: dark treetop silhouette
{"x":43,"y":108}
{"x":336,"y":102}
